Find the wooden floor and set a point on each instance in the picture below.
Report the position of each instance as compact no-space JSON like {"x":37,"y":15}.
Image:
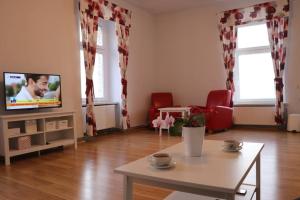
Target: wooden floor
{"x":87,"y":173}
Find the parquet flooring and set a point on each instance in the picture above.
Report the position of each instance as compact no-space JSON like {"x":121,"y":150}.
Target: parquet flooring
{"x":87,"y":173}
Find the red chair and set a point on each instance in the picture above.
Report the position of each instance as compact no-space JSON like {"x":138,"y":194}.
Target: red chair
{"x":218,"y":110}
{"x":160,"y":100}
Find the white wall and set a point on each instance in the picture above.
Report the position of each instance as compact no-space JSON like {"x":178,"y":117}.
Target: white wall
{"x":42,"y":37}
{"x":293,"y":68}
{"x":189,"y":62}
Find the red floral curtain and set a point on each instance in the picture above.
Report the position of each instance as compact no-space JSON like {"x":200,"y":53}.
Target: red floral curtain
{"x":90,"y":11}
{"x":89,"y":29}
{"x":276,"y":14}
{"x":228,"y":36}
{"x":278,"y":32}
{"x":123,"y":41}
{"x":259,"y":12}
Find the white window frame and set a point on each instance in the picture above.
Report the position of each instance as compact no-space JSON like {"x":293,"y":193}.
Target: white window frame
{"x":104,"y":49}
{"x":248,"y":51}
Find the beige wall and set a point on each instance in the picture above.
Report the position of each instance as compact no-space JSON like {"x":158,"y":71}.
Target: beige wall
{"x":189,"y":64}
{"x":42,"y":37}
{"x":188,"y":61}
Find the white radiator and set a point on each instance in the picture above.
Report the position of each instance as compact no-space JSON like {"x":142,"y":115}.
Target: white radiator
{"x":105,"y":117}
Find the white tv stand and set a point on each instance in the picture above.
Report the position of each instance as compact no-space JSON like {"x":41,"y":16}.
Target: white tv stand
{"x":42,"y":138}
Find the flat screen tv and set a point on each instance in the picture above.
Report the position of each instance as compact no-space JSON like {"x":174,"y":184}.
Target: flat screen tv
{"x":31,"y":91}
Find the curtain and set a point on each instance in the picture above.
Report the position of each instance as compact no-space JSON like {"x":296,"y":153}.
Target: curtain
{"x":228,"y":37}
{"x":90,"y":12}
{"x":278,"y":32}
{"x":123,"y":40}
{"x":89,"y":29}
{"x":276,"y":14}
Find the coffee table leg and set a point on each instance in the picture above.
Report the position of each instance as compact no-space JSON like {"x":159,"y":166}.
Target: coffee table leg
{"x":160,"y":128}
{"x":128,"y":194}
{"x":230,"y":197}
{"x":258,"y":177}
{"x":168,"y":127}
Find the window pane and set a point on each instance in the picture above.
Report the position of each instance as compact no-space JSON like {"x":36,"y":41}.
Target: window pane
{"x":100,"y":36}
{"x":82,"y":75}
{"x":253,"y":36}
{"x":97,"y":76}
{"x":256,"y":76}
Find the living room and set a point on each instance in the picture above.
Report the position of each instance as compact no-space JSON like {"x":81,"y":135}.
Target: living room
{"x":174,"y":46}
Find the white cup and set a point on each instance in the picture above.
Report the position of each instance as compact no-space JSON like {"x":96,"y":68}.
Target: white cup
{"x":232,"y":144}
{"x":160,"y":159}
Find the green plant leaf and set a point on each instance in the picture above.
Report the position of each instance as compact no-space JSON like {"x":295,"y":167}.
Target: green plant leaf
{"x":194,"y":120}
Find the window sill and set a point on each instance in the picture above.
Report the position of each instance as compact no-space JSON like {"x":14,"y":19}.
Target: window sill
{"x":254,"y":105}
{"x":102,"y":104}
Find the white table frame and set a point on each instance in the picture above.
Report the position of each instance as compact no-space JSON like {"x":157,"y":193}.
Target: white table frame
{"x":209,"y":191}
{"x":185,"y":111}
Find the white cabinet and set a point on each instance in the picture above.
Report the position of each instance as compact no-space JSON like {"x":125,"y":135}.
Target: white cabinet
{"x":13,"y":127}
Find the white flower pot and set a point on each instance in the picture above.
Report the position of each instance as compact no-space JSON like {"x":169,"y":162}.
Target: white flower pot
{"x":193,"y":139}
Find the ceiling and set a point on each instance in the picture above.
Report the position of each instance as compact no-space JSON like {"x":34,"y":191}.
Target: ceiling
{"x":163,"y":6}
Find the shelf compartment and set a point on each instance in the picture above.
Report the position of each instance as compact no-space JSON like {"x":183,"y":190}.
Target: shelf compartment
{"x":60,"y":142}
{"x":59,"y":135}
{"x":33,"y":148}
{"x":68,"y":119}
{"x":21,"y":125}
{"x":182,"y":195}
{"x":24,"y":134}
{"x":61,"y":129}
{"x":36,"y":139}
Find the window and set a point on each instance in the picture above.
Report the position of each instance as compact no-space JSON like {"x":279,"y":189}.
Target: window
{"x":100,"y":62}
{"x":254,"y":74}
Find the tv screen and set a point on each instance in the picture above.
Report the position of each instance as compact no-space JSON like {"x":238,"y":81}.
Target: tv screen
{"x":29,"y":91}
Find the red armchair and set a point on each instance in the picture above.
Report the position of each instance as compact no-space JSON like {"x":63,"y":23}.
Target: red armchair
{"x":218,"y":111}
{"x":160,"y":100}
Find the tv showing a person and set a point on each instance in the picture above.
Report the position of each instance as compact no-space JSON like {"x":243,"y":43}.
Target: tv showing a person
{"x":36,"y":87}
{"x":24,"y":91}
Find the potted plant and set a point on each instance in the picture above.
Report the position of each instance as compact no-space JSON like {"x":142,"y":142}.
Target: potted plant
{"x":193,"y":132}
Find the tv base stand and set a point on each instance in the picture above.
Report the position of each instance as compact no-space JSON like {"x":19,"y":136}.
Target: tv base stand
{"x":26,"y":133}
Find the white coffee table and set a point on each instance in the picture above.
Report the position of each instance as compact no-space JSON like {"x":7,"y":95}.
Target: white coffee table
{"x":216,"y":173}
{"x":185,"y":111}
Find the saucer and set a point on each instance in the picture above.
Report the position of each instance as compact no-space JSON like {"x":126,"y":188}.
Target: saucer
{"x":232,"y":149}
{"x":170,"y":165}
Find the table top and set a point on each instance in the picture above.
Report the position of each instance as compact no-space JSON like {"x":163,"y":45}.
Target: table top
{"x":174,"y":109}
{"x":214,"y":170}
